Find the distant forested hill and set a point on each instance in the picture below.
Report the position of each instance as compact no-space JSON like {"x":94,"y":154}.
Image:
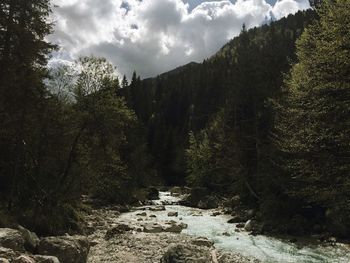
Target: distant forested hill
{"x":243,"y":75}
{"x":265,"y":119}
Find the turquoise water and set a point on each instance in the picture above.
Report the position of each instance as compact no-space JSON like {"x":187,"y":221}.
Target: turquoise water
{"x":267,"y":249}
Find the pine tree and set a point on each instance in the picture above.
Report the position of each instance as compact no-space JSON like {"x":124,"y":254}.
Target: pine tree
{"x":23,"y":56}
{"x":125,"y":83}
{"x":314,"y":120}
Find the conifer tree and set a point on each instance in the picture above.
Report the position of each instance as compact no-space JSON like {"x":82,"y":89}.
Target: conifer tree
{"x":23,"y":56}
{"x":313,"y":121}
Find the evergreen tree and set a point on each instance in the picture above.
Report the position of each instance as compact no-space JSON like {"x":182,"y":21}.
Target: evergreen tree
{"x":125,"y":83}
{"x":23,"y":56}
{"x":313,"y":120}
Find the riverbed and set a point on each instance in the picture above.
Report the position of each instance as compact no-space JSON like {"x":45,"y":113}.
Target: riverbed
{"x":227,"y":237}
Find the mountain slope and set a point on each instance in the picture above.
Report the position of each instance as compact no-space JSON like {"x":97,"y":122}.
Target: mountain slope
{"x":245,"y":72}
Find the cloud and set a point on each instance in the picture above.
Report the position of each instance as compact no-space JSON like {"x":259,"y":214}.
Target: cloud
{"x":154,"y":36}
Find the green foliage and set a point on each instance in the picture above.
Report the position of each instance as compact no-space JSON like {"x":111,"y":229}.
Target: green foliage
{"x":62,"y":134}
{"x":240,"y":78}
{"x":23,"y":55}
{"x":313,"y":120}
{"x":212,"y":158}
{"x":198,"y":156}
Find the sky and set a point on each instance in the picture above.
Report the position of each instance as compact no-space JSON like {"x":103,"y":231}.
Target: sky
{"x":155,"y":36}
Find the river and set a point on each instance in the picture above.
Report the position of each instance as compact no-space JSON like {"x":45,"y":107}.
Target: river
{"x":265,"y":248}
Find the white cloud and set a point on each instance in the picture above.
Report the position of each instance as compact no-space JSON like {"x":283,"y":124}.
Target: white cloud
{"x":153,"y":36}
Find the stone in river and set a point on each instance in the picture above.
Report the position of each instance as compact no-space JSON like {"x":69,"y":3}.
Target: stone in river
{"x":173,"y":214}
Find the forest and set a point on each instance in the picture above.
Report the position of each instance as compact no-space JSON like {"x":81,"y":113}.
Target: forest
{"x":266,"y":118}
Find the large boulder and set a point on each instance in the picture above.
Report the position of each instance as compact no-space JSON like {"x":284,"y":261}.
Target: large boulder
{"x":31,"y":240}
{"x":68,"y":249}
{"x":11,"y":238}
{"x":153,"y":228}
{"x":186,"y":254}
{"x":174,"y":227}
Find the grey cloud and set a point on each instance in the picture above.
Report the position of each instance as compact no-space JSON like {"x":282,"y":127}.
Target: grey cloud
{"x":153,"y":36}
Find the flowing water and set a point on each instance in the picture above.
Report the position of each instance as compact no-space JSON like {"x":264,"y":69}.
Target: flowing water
{"x":267,"y":249}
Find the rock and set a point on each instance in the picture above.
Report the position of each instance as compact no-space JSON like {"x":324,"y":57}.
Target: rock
{"x":173,"y":228}
{"x":31,"y":240}
{"x":253,"y":226}
{"x":142,"y":214}
{"x":216,"y":213}
{"x":8,"y":254}
{"x":248,"y":226}
{"x":202,"y":241}
{"x":117,"y":230}
{"x":186,"y":254}
{"x":153,"y":216}
{"x":11,"y":238}
{"x":24,"y":259}
{"x":173,"y":214}
{"x":227,"y":234}
{"x":237,"y":219}
{"x":157,"y":208}
{"x":68,"y":249}
{"x":46,"y":259}
{"x":152,"y":228}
